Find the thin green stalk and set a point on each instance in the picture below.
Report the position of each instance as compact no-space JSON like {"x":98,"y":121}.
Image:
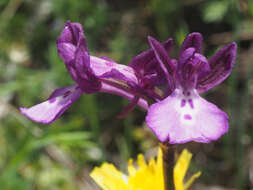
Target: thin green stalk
{"x":168,"y":165}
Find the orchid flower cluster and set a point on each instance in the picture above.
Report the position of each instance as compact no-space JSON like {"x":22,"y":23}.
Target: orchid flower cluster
{"x":168,"y":89}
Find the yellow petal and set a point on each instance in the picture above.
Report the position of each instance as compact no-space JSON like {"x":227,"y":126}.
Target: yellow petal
{"x":141,"y":161}
{"x":180,"y":169}
{"x":108,"y":177}
{"x":191,"y":180}
{"x":145,"y":176}
{"x":131,"y":169}
{"x":159,"y":167}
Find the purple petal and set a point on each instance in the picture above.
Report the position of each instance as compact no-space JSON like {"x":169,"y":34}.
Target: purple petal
{"x":193,"y":40}
{"x":142,"y":59}
{"x":191,"y":66}
{"x":107,"y":69}
{"x":221,"y":65}
{"x":147,"y":65}
{"x":162,"y":56}
{"x":69,"y":39}
{"x":181,"y":118}
{"x":48,"y":111}
{"x":82,"y":61}
{"x":70,"y":33}
{"x":163,"y":60}
{"x":185,"y":56}
{"x":66,"y":51}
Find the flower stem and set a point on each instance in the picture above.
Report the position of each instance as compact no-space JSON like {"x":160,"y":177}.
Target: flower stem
{"x":168,"y":151}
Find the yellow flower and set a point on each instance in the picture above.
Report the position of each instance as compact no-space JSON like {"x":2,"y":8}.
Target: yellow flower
{"x":147,"y":176}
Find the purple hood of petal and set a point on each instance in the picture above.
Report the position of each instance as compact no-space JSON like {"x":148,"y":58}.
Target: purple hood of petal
{"x":191,"y":66}
{"x":68,"y":41}
{"x":73,"y":50}
{"x":86,"y":70}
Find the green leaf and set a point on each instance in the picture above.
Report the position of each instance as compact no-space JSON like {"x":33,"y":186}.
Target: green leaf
{"x":59,"y":138}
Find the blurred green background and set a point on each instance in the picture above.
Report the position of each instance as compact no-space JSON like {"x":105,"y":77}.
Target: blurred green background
{"x":61,"y":155}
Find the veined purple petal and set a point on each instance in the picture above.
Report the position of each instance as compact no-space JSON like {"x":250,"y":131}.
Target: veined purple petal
{"x":107,"y":69}
{"x":221,"y":65}
{"x":48,"y":111}
{"x":70,"y":33}
{"x":68,"y":41}
{"x":185,"y":116}
{"x":82,"y":60}
{"x":145,"y":57}
{"x":191,"y":66}
{"x":66,"y":51}
{"x":162,"y":56}
{"x":146,"y":65}
{"x":164,"y":61}
{"x":193,"y":40}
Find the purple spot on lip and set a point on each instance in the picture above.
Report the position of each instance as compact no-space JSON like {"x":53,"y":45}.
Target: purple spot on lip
{"x":76,"y":88}
{"x":66,"y":94}
{"x":188,"y":117}
{"x":52,"y":100}
{"x":183,"y":102}
{"x":191,"y":103}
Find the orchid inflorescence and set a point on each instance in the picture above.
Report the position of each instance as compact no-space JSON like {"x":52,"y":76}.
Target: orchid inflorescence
{"x":168,"y":89}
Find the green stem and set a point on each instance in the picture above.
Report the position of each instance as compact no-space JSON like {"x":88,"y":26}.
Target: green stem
{"x":168,"y":165}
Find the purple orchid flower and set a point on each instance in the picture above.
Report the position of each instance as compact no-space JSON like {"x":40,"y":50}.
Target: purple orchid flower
{"x":184,"y":116}
{"x":91,"y":74}
{"x":178,"y":114}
